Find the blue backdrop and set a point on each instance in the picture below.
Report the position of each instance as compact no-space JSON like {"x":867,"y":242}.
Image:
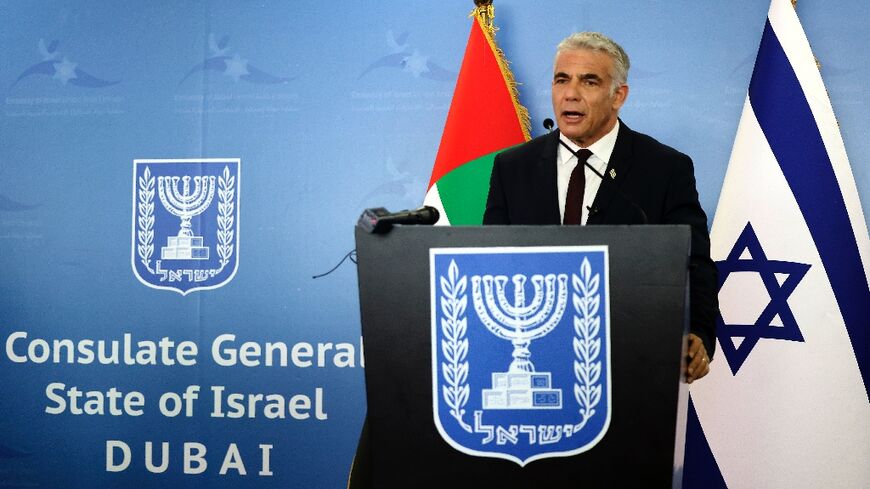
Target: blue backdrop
{"x":331,"y":107}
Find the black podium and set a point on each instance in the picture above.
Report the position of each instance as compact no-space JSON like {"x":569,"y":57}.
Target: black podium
{"x":644,"y":443}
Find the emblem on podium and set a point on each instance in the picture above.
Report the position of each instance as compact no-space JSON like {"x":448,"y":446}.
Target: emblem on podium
{"x":521,"y":350}
{"x":185,"y":223}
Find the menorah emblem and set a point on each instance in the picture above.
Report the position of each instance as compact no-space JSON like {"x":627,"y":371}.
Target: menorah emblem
{"x":185,"y":204}
{"x":521,"y":387}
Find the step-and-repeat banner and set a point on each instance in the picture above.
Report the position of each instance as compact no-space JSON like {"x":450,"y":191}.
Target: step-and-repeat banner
{"x":173,"y":175}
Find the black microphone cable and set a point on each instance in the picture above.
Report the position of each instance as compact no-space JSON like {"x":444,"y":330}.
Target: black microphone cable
{"x":548,"y":125}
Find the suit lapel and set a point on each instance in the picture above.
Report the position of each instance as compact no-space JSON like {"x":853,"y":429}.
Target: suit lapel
{"x":619,"y":165}
{"x":547,"y":185}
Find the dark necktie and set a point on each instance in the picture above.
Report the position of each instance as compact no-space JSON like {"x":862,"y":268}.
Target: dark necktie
{"x":576,"y":186}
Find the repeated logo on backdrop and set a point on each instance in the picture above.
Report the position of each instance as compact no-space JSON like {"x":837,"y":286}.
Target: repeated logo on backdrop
{"x":521,"y":350}
{"x":235,"y":66}
{"x":61,"y":68}
{"x":185,"y":223}
{"x":409,"y":60}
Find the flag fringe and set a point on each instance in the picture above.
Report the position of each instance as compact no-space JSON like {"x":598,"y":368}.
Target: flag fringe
{"x":484,"y":16}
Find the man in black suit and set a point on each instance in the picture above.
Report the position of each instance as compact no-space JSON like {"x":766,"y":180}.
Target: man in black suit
{"x":536,"y":182}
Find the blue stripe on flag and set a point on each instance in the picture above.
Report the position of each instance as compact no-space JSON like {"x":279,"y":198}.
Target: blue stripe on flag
{"x":700,"y":470}
{"x":788,"y":124}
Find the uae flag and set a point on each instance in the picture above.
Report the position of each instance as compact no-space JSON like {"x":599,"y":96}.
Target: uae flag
{"x":485,"y":117}
{"x":786,"y":404}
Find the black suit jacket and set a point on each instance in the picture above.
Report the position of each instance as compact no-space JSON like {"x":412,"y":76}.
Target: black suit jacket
{"x":656,"y":177}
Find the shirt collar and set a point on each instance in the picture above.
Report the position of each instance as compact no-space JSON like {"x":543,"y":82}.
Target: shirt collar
{"x":602,"y":149}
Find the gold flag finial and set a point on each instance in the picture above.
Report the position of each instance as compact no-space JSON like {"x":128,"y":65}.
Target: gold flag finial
{"x":484,"y":10}
{"x":794,"y":4}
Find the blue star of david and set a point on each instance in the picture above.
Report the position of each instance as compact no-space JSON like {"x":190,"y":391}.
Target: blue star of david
{"x":762,"y":328}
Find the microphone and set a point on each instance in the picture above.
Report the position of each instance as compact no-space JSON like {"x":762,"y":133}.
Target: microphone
{"x":548,"y":125}
{"x":378,"y":220}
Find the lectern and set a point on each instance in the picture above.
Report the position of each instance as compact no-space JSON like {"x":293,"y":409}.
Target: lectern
{"x":525,"y":356}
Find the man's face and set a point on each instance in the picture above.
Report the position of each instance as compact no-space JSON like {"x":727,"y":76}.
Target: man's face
{"x":584,"y":108}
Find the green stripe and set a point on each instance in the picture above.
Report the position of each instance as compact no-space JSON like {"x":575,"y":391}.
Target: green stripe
{"x":463,"y":191}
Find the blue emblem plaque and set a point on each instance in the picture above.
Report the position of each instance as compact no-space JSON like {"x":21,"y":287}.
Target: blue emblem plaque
{"x":185,"y":223}
{"x":521,"y":349}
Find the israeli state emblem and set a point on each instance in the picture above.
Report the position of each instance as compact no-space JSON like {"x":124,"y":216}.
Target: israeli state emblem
{"x":185,"y":223}
{"x":521,"y":350}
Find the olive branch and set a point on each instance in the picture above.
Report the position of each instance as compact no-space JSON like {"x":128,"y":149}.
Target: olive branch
{"x":145,"y":220}
{"x":587,"y":344}
{"x":454,"y":345}
{"x":226,"y":217}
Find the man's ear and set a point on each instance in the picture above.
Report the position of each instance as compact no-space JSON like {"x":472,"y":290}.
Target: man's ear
{"x":619,"y":96}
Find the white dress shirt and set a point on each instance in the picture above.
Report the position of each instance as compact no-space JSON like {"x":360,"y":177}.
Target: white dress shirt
{"x":566,"y":161}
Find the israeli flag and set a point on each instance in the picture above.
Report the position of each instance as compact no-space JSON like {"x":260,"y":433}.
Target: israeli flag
{"x":786,"y":402}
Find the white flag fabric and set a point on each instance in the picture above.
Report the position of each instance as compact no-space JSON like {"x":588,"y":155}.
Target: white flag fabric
{"x":786,"y":402}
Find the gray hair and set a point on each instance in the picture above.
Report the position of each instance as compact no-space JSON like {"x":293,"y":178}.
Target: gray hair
{"x":599,"y":42}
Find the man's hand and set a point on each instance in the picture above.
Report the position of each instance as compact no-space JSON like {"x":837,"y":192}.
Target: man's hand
{"x":697,"y":361}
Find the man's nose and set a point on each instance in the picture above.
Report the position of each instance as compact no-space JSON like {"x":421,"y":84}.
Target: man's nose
{"x":572,"y":91}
